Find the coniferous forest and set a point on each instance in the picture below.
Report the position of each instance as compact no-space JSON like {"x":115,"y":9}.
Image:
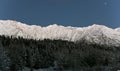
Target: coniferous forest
{"x":17,"y":53}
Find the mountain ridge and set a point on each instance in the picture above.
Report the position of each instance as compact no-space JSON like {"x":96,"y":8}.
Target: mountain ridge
{"x":95,"y":33}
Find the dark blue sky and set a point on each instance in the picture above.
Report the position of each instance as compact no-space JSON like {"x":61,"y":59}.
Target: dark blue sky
{"x":64,"y":12}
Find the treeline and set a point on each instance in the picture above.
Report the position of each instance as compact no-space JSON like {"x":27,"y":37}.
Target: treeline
{"x":35,"y":54}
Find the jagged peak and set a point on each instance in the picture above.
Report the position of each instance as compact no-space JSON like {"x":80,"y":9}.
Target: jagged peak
{"x":117,"y":29}
{"x":55,"y":31}
{"x":8,"y":21}
{"x":97,"y":26}
{"x":53,"y":25}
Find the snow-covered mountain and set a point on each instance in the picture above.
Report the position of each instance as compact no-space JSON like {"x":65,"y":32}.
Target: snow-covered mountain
{"x":96,"y":33}
{"x":117,"y":29}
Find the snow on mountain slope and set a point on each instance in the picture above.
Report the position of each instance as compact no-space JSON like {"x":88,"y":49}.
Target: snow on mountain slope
{"x":102,"y":35}
{"x":95,"y":33}
{"x":117,"y":29}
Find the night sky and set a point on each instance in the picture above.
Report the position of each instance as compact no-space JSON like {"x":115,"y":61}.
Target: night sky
{"x":62,"y":12}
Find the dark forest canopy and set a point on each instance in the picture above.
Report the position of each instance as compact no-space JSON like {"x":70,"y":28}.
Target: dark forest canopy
{"x":60,"y":54}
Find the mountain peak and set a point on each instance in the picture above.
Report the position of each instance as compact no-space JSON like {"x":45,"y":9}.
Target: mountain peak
{"x":97,"y":26}
{"x":9,"y":22}
{"x":53,"y":25}
{"x":95,"y":33}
